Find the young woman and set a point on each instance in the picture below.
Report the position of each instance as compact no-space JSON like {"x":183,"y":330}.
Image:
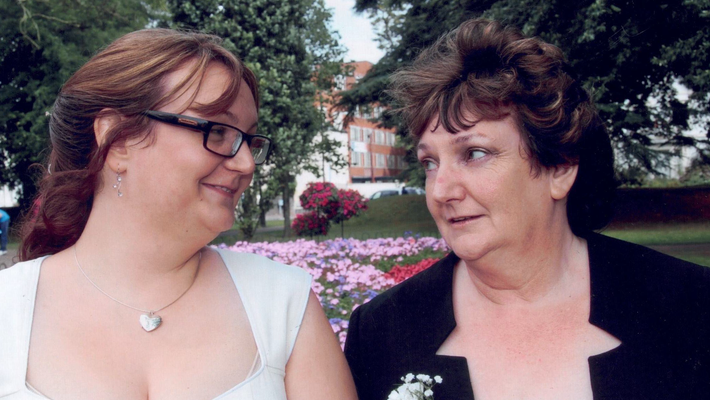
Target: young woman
{"x":153,"y":142}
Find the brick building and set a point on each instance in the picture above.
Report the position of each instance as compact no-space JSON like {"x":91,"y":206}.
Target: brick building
{"x":373,"y":155}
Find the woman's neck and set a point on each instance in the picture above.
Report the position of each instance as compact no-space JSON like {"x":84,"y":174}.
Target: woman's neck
{"x":132,"y":260}
{"x":542,"y":271}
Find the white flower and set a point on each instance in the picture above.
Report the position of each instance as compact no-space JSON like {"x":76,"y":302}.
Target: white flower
{"x":402,"y":393}
{"x":415,"y":387}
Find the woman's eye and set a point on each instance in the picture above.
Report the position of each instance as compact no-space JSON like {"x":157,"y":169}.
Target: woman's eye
{"x":476,"y":154}
{"x":428,"y":165}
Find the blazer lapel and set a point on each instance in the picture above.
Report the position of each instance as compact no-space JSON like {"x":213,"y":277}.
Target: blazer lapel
{"x":429,"y":323}
{"x":621,"y":306}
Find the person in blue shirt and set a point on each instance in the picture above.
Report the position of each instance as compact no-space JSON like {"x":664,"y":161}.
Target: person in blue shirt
{"x":5,"y":228}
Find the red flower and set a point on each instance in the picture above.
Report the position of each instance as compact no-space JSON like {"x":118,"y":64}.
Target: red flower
{"x":401,"y":273}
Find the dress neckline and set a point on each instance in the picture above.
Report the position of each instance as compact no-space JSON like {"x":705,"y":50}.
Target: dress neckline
{"x":259,"y":357}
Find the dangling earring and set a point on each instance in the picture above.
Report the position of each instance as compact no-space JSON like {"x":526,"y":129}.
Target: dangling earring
{"x":117,"y":185}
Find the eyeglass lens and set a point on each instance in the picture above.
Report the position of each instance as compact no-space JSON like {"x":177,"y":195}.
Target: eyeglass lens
{"x":226,"y":141}
{"x":259,"y":149}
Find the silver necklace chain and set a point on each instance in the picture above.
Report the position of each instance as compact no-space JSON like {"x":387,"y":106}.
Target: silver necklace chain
{"x":136,"y":308}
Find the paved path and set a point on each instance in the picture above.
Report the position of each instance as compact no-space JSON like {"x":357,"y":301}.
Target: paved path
{"x":8,"y":259}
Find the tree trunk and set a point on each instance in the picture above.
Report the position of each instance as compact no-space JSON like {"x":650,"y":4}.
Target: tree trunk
{"x":287,"y":210}
{"x":262,"y":212}
{"x":262,"y":219}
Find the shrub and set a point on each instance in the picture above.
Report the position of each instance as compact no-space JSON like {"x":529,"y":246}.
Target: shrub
{"x":310,"y":224}
{"x":326,"y":204}
{"x":351,"y":204}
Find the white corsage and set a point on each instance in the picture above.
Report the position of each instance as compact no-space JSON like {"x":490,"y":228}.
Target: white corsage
{"x":415,"y":387}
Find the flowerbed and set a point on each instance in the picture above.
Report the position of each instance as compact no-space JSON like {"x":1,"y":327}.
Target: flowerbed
{"x":350,"y":272}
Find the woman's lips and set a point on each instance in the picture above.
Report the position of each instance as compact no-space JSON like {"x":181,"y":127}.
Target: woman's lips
{"x":222,"y":190}
{"x":459,"y":221}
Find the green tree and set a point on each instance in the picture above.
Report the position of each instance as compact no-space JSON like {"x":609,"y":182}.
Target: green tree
{"x":43,"y":43}
{"x":294,"y":54}
{"x":633,"y":58}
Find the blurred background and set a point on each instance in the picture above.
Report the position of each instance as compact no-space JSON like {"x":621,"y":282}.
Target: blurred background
{"x":323,"y":67}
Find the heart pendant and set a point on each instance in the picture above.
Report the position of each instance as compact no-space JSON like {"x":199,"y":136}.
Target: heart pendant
{"x":150,"y":322}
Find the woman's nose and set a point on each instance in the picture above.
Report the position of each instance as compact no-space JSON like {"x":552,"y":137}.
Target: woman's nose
{"x":446,"y":186}
{"x":243,"y":161}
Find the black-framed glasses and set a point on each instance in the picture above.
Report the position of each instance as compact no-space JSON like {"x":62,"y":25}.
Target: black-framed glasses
{"x":221,"y":139}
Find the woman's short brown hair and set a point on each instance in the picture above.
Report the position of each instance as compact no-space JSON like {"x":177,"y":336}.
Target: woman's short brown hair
{"x":126,"y":78}
{"x":484,"y":70}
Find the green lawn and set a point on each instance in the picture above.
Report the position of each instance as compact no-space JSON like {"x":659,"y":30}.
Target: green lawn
{"x":661,"y":234}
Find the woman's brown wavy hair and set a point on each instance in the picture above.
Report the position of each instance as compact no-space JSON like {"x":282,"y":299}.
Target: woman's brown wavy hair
{"x":485,"y":70}
{"x":127,"y":79}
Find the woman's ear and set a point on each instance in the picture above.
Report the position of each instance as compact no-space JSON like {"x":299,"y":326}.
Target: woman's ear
{"x":104,"y":122}
{"x":562,"y":178}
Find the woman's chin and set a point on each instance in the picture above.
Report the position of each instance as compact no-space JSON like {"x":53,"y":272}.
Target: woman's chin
{"x":468,"y":247}
{"x":220,"y":223}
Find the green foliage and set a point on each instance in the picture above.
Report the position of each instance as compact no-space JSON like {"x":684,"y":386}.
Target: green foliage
{"x":385,"y":265}
{"x":630,"y":57}
{"x":247,"y":214}
{"x":294,"y":55}
{"x":699,"y":171}
{"x":43,"y":43}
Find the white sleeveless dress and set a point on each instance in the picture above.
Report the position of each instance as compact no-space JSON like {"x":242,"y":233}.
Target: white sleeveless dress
{"x":274,"y":296}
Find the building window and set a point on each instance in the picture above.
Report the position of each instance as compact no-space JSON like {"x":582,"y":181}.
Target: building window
{"x":355,"y":159}
{"x":391,"y":138}
{"x":379,"y":137}
{"x":340,"y":82}
{"x":379,"y":160}
{"x":368,"y":161}
{"x":401,"y":163}
{"x":366,"y":133}
{"x":355,"y":133}
{"x":391,"y":161}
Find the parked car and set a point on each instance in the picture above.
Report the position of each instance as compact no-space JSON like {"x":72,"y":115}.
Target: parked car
{"x":384,"y":193}
{"x":413,"y":190}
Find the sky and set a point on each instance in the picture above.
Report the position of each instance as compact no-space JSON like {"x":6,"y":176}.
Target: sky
{"x":355,"y":32}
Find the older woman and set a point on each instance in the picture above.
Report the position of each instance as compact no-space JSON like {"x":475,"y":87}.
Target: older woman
{"x":530,"y":304}
{"x":153,"y":142}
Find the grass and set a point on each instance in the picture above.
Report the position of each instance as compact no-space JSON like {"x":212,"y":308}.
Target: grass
{"x":394,"y":216}
{"x":386,"y":217}
{"x":662,"y":233}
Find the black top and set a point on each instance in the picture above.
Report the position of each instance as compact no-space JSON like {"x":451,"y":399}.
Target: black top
{"x":658,"y":306}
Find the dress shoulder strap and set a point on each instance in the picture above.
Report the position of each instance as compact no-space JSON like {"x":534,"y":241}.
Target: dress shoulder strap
{"x":18,"y":290}
{"x":275,"y":298}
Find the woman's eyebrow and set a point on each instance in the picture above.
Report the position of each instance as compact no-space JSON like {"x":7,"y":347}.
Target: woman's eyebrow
{"x":234,"y":120}
{"x":253,"y":126}
{"x":231,"y":116}
{"x":467,"y":137}
{"x":457,"y":139}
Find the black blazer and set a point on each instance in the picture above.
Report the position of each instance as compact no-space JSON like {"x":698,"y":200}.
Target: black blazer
{"x":658,"y":306}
